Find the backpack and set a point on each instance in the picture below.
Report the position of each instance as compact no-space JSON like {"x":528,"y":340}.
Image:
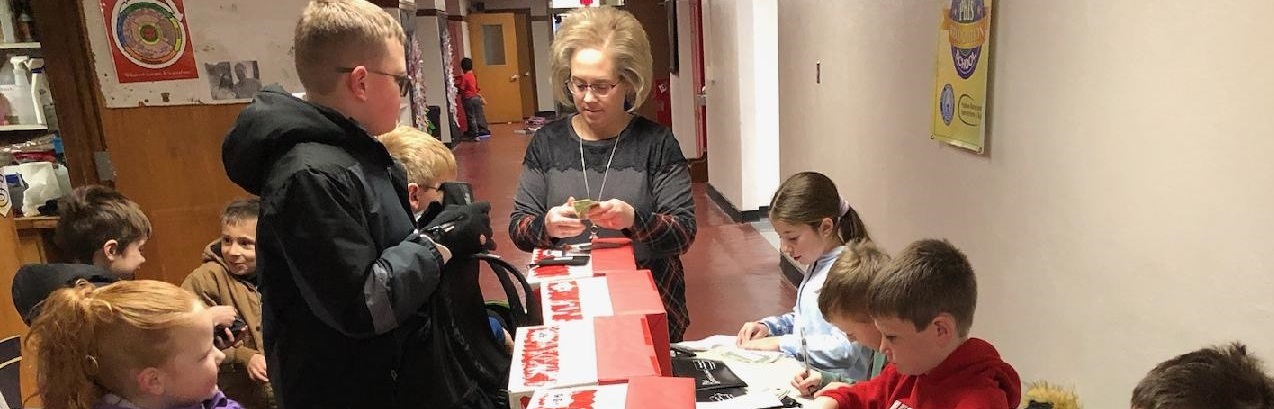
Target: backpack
{"x":449,"y":358}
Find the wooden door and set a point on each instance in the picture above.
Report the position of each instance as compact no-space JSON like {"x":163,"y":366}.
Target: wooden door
{"x":493,"y":42}
{"x":526,"y":62}
{"x":701,"y":106}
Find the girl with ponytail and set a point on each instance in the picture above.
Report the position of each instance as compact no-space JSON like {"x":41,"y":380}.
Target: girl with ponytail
{"x":132,"y":344}
{"x":814,"y":225}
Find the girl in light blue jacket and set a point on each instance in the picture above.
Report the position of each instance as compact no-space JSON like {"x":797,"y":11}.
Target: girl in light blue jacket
{"x":813,"y":226}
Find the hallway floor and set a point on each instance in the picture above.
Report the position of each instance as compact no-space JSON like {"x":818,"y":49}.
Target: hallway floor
{"x":732,"y":272}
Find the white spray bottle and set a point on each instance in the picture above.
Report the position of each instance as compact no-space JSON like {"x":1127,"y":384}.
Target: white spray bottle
{"x":40,"y":95}
{"x":20,"y":98}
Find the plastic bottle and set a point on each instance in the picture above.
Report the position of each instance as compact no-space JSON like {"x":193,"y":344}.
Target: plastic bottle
{"x":16,"y":187}
{"x":20,"y":102}
{"x":41,"y":97}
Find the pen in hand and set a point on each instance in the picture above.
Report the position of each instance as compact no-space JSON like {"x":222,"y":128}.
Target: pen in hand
{"x":805,"y":353}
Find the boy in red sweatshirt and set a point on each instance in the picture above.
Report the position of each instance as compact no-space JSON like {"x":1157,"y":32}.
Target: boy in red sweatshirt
{"x":923,"y":306}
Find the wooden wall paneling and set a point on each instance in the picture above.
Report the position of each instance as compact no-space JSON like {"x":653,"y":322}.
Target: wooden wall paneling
{"x":10,"y":322}
{"x":168,"y":160}
{"x":72,"y":83}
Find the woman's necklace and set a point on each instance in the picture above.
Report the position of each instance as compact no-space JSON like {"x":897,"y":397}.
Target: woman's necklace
{"x":605,"y":174}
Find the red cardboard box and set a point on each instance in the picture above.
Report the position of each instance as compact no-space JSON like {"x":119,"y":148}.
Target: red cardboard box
{"x":638,"y":393}
{"x":627,"y":293}
{"x":601,"y":260}
{"x":600,"y":351}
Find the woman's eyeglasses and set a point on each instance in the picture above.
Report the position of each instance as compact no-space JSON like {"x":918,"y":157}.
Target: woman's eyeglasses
{"x":599,"y":89}
{"x":404,"y":80}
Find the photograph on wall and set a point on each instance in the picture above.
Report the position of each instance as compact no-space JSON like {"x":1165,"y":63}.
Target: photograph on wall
{"x":232,"y":80}
{"x":149,"y":40}
{"x":964,"y":57}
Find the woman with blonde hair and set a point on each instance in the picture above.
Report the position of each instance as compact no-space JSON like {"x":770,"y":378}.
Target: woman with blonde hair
{"x":629,"y":167}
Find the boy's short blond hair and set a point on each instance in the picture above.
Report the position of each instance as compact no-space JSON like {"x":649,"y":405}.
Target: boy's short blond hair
{"x":930,"y":277}
{"x":1215,"y":377}
{"x":336,"y":34}
{"x":425,"y":158}
{"x":844,"y":293}
{"x":613,"y":31}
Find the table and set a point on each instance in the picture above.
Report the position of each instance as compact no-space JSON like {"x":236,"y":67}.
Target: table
{"x":35,"y":240}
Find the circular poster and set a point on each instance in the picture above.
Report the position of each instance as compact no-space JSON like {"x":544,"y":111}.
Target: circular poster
{"x":150,"y":33}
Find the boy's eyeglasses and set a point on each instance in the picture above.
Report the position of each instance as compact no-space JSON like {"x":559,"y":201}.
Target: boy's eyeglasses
{"x":599,"y":89}
{"x":404,"y":80}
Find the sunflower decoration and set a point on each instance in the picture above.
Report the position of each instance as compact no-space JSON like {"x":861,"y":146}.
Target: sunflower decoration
{"x":1045,"y":395}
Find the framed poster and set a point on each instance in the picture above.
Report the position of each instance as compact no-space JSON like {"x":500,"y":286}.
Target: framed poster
{"x":964,"y":56}
{"x":149,"y":40}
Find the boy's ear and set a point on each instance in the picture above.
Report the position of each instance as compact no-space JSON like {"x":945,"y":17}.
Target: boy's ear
{"x":356,"y":81}
{"x":111,"y":249}
{"x":945,"y":326}
{"x":150,"y":382}
{"x":413,"y":194}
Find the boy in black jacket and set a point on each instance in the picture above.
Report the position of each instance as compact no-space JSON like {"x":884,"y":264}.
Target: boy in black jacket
{"x":340,"y":266}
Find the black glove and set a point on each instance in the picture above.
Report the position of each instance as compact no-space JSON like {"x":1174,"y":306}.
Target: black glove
{"x":428,"y":215}
{"x":462,"y":228}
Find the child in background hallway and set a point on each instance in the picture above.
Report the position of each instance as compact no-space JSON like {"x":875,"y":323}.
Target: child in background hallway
{"x":474,"y":102}
{"x":228,"y":277}
{"x":813,"y":225}
{"x":127,"y":345}
{"x":923,"y":304}
{"x":843,"y":301}
{"x":1215,"y":377}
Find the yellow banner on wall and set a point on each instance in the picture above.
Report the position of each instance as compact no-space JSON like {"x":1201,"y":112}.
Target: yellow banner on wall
{"x":964,"y":57}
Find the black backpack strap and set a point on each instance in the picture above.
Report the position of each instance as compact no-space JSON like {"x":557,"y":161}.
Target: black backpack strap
{"x":525,"y":309}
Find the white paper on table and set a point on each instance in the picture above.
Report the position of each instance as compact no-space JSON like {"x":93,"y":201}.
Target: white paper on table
{"x":709,"y":342}
{"x":753,"y":400}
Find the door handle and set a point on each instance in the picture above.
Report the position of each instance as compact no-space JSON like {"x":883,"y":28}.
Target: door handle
{"x":514,"y":78}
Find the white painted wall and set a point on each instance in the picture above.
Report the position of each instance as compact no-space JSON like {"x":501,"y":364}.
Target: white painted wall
{"x":542,"y":41}
{"x":1121,"y":216}
{"x":681,"y":85}
{"x":741,"y":47}
{"x":268,"y":42}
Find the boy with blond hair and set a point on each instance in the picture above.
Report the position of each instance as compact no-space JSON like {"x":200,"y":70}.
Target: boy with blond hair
{"x":1223,"y":376}
{"x":427,"y":161}
{"x":342,"y":266}
{"x":923,"y":305}
{"x":843,"y":302}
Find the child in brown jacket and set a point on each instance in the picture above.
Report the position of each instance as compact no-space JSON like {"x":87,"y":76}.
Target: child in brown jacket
{"x":228,"y":277}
